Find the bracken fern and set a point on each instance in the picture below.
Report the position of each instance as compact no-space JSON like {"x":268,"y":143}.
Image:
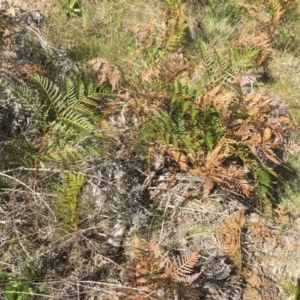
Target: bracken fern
{"x":67,"y":199}
{"x":66,"y":119}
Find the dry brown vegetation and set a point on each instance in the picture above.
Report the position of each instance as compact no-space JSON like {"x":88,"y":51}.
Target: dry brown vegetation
{"x":149,"y":151}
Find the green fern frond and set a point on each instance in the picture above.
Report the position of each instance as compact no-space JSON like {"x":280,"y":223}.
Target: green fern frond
{"x":61,"y":157}
{"x":168,"y":128}
{"x":69,"y":92}
{"x":90,"y":90}
{"x":68,"y":196}
{"x":63,"y":100}
{"x":166,"y":120}
{"x":27,"y":99}
{"x":90,"y":101}
{"x":66,"y":116}
{"x":64,"y":148}
{"x":182,"y":95}
{"x":223,"y":62}
{"x":219,"y":65}
{"x":184,"y":122}
{"x":242,"y":59}
{"x":164,"y":127}
{"x":263,"y":177}
{"x":263,"y":180}
{"x":180,"y":122}
{"x":208,"y":57}
{"x":80,"y":91}
{"x":208,"y":139}
{"x":31,"y":105}
{"x":74,"y":120}
{"x":82,"y":109}
{"x":50,"y":91}
{"x":176,"y":28}
{"x":20,"y":152}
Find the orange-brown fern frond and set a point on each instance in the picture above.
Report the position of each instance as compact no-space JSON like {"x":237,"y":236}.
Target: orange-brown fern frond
{"x":230,"y":236}
{"x":182,"y":269}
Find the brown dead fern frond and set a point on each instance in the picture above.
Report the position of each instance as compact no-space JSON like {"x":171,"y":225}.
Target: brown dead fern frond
{"x":179,"y":157}
{"x":243,"y":187}
{"x":208,"y":185}
{"x":224,"y":103}
{"x":278,"y":8}
{"x":145,"y":33}
{"x":237,"y":173}
{"x":106,"y":72}
{"x":230,"y":179}
{"x":206,"y":100}
{"x":214,"y":158}
{"x":167,"y":69}
{"x":145,"y":267}
{"x":144,"y":104}
{"x":182,"y":269}
{"x":151,"y":268}
{"x":267,"y":149}
{"x":245,"y":131}
{"x":218,"y":168}
{"x":230,"y":234}
{"x":233,"y":184}
{"x":256,"y":120}
{"x":173,"y":66}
